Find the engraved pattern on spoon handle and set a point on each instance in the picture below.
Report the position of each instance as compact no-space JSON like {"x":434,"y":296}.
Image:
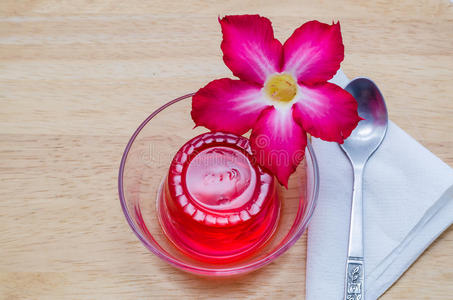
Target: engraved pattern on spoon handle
{"x":354,"y":287}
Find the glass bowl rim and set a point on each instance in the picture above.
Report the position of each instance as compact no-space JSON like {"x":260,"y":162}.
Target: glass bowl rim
{"x":217,"y":271}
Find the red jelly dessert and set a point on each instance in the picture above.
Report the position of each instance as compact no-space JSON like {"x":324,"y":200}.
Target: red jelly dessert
{"x":216,"y":204}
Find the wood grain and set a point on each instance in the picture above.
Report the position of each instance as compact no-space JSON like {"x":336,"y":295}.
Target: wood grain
{"x":77,"y":77}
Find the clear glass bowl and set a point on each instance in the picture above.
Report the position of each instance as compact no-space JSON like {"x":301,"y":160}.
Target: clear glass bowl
{"x":145,"y":164}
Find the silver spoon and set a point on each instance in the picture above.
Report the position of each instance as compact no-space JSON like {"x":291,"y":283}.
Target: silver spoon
{"x":359,"y":147}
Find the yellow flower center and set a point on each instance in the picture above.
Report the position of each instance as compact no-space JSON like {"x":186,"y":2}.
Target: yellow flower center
{"x":281,"y":87}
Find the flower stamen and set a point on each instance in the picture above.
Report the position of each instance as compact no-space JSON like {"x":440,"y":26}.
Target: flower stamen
{"x":281,"y":88}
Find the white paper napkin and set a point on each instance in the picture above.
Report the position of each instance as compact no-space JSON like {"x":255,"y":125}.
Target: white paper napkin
{"x":408,"y":203}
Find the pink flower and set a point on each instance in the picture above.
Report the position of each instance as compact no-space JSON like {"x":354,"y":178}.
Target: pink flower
{"x":282,"y":92}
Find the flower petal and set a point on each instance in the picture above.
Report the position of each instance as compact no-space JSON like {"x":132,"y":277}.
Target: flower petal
{"x":227,"y":105}
{"x":278,"y":142}
{"x":314,"y":51}
{"x":326,"y":111}
{"x":249,"y":47}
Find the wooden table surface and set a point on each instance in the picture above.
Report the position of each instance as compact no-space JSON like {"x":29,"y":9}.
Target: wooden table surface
{"x":77,"y":77}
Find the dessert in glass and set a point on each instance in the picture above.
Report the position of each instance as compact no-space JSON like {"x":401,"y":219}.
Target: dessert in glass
{"x":198,"y":200}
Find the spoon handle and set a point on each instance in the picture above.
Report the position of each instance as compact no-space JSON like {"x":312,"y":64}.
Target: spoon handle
{"x":354,"y":278}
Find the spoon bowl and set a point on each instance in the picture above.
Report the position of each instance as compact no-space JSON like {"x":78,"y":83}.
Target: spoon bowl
{"x":370,"y":132}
